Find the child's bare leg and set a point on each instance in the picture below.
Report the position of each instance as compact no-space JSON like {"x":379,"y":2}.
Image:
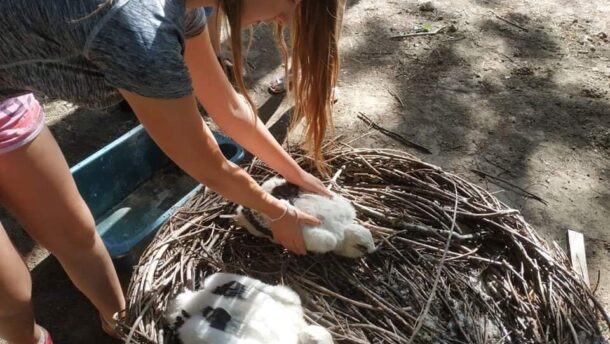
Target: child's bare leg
{"x":16,"y":314}
{"x":37,"y":187}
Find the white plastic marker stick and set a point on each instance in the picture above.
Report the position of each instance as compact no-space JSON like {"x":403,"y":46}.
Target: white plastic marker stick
{"x":576,"y":247}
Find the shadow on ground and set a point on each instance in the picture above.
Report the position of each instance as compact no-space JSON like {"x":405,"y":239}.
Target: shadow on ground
{"x":474,"y":109}
{"x":62,"y":309}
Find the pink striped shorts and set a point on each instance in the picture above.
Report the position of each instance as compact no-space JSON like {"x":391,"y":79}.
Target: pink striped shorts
{"x":21,"y":120}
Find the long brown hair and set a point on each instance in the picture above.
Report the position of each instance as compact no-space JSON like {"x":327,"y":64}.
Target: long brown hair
{"x":315,"y":63}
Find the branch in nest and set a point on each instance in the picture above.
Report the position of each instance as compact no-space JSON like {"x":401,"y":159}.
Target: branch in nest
{"x":412,"y":227}
{"x":423,"y":229}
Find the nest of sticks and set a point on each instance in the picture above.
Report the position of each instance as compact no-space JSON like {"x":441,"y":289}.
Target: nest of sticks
{"x":454,"y":264}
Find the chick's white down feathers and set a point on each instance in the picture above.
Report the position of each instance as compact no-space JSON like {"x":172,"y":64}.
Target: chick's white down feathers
{"x":338,"y":233}
{"x":234,"y":309}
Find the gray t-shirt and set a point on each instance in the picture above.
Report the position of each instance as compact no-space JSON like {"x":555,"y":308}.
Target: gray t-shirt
{"x":65,"y":49}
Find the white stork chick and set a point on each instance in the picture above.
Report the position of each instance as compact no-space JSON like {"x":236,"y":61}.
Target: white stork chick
{"x":338,"y":233}
{"x":234,"y":309}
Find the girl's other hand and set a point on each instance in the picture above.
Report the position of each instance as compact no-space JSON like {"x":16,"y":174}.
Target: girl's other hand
{"x":309,"y":182}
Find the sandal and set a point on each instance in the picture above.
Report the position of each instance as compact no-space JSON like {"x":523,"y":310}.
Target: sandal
{"x":229,"y":68}
{"x":111,"y":327}
{"x":278,"y":86}
{"x":45,"y":337}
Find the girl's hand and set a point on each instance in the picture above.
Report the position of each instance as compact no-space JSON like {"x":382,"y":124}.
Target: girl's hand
{"x":287,"y":230}
{"x":309,"y":182}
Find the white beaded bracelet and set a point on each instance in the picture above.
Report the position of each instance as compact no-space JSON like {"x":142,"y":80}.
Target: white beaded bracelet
{"x":288,"y":206}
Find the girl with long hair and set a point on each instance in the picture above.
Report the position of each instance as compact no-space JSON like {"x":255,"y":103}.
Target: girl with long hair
{"x":156,"y":54}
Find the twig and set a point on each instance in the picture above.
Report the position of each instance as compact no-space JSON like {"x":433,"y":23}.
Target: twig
{"x":429,"y":230}
{"x":392,"y":135}
{"x":572,"y":330}
{"x":599,"y":276}
{"x":339,"y":296}
{"x":527,"y":193}
{"x":500,"y":167}
{"x":506,"y":56}
{"x":402,"y":105}
{"x":136,"y":322}
{"x":510,"y":22}
{"x":417,"y":34}
{"x":424,"y":312}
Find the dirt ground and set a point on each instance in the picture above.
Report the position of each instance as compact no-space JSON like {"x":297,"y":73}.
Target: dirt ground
{"x":518,"y":90}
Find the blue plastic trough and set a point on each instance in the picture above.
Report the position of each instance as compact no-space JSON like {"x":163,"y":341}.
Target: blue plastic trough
{"x":132,"y":188}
